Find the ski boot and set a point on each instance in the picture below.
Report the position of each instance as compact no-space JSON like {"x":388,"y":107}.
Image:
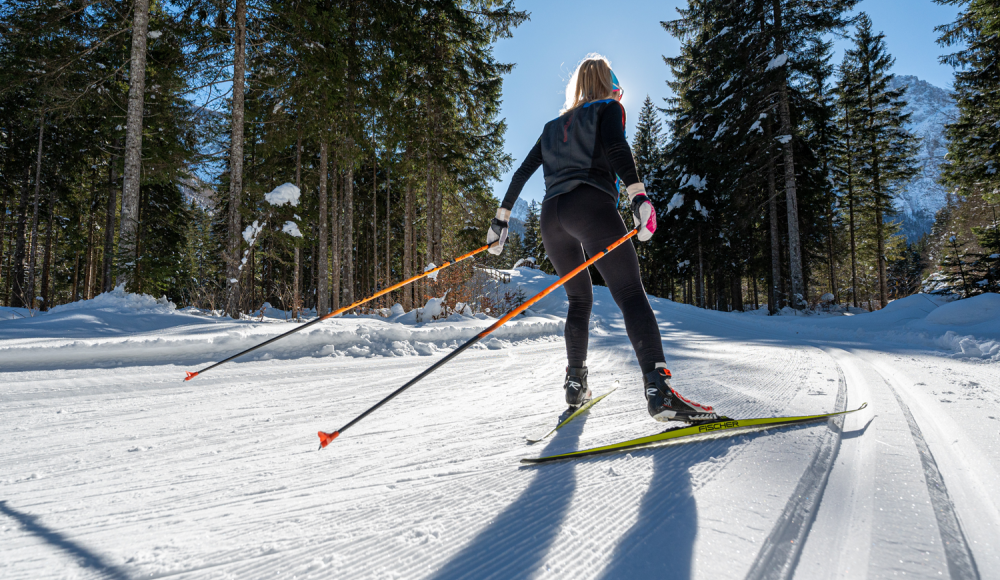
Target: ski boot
{"x":577,"y":392}
{"x":665,"y":404}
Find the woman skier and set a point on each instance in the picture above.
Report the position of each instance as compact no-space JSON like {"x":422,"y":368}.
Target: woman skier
{"x":581,"y":152}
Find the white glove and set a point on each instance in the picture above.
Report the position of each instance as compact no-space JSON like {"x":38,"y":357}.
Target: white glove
{"x":643,"y":213}
{"x":497,"y":234}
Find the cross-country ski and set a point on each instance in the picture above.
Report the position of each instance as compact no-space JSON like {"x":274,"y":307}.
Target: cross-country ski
{"x":724,"y":426}
{"x":573,"y":414}
{"x":477,"y":289}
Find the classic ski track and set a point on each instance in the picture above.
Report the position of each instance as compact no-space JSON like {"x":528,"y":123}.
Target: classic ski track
{"x":961,"y":561}
{"x":854,"y":495}
{"x":973,"y":484}
{"x":781,"y":550}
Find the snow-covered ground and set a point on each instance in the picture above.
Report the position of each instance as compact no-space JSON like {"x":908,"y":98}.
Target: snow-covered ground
{"x":111,"y":466}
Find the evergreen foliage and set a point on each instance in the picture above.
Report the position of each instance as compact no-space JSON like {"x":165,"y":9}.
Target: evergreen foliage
{"x":973,"y":159}
{"x":401,"y":100}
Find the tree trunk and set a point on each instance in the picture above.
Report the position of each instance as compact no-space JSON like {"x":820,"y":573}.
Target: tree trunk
{"x":430,"y":216}
{"x":700,"y":282}
{"x":4,"y":245}
{"x":854,"y":248}
{"x":236,"y":162}
{"x":791,"y":197}
{"x":137,"y":282}
{"x":296,"y":275}
{"x":335,"y":233}
{"x":19,"y":297}
{"x":34,"y":219}
{"x":347,"y":229}
{"x":322,"y":288}
{"x":374,"y":213}
{"x":388,"y":256}
{"x":736,"y":289}
{"x":833,"y":271}
{"x":127,"y":239}
{"x":47,"y":261}
{"x":883,"y":290}
{"x":774,"y":293}
{"x":409,"y":243}
{"x":109,"y":229}
{"x":88,"y":271}
{"x":75,"y":288}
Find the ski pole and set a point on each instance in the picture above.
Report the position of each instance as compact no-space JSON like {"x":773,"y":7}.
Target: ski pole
{"x":191,"y":375}
{"x":326,"y":438}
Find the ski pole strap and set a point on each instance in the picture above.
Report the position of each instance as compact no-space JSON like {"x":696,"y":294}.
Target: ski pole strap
{"x":398,"y":285}
{"x":326,"y":438}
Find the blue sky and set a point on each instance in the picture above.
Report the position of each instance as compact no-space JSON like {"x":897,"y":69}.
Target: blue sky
{"x":548,"y":47}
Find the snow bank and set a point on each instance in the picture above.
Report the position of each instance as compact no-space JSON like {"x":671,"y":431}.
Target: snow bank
{"x":120,"y":329}
{"x":963,"y":328}
{"x":975,"y":310}
{"x":120,"y":302}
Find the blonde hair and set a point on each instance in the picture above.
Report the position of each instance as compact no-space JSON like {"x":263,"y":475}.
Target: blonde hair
{"x":590,"y":82}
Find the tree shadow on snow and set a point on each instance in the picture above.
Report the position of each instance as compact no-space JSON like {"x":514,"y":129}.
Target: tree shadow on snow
{"x":517,"y":541}
{"x":83,"y":556}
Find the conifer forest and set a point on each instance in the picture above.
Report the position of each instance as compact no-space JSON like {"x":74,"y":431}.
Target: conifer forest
{"x":150,"y":143}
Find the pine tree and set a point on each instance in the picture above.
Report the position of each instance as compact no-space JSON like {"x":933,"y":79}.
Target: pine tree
{"x":986,"y":268}
{"x":532,"y":239}
{"x":886,"y":150}
{"x":647,"y":145}
{"x":973,"y":151}
{"x":742,"y":136}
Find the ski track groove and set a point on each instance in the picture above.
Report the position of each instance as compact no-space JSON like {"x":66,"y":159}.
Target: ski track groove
{"x":781,"y":550}
{"x":961,"y":563}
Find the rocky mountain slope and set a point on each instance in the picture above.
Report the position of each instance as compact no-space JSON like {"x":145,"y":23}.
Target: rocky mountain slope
{"x":931,"y":108}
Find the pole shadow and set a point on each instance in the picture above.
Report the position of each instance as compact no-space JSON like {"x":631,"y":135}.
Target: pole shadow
{"x":82,"y":555}
{"x":516,"y":543}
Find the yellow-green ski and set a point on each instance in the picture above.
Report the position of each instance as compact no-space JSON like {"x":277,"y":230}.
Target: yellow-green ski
{"x":583,"y":409}
{"x":730,"y":425}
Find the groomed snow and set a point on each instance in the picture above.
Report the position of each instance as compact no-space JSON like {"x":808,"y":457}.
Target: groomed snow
{"x":113,"y":466}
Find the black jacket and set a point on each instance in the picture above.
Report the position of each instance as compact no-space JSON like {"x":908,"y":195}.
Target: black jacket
{"x":584,"y":146}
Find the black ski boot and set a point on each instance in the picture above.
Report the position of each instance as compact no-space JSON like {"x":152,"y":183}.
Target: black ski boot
{"x":577,"y":392}
{"x":665,"y":404}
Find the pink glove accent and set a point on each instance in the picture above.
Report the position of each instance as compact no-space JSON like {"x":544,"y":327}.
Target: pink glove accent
{"x":644,"y":217}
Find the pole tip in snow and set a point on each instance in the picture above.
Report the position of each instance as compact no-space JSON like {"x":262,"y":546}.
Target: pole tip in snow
{"x":190,"y":375}
{"x":326,"y":438}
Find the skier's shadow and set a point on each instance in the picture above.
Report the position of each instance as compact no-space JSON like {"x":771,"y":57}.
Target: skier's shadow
{"x":660,"y":544}
{"x":517,"y":541}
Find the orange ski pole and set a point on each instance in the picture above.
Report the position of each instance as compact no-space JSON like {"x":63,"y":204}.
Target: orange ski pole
{"x":326,"y":438}
{"x":191,"y":375}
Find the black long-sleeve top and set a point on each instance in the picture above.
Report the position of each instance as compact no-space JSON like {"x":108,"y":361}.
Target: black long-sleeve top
{"x":585,"y":145}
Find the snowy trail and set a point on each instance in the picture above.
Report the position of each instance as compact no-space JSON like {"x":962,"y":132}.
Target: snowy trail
{"x":129,"y":472}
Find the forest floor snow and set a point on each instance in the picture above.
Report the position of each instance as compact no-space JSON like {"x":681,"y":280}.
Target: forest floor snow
{"x":111,"y":466}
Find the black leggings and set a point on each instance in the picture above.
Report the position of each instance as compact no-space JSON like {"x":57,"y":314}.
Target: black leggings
{"x":587,"y":220}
